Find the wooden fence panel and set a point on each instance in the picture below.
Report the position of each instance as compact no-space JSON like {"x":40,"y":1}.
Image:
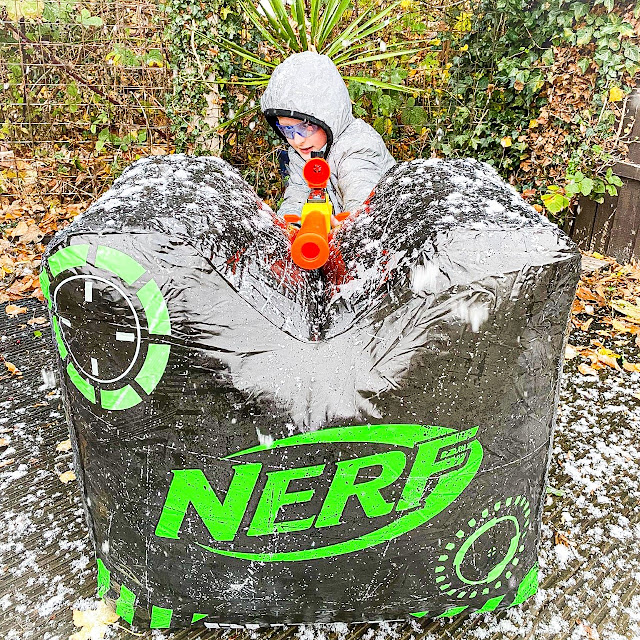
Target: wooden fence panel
{"x":612,"y":227}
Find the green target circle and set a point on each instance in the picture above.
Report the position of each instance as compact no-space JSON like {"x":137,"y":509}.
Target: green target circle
{"x":121,"y":276}
{"x":514,"y":512}
{"x":496,"y":572}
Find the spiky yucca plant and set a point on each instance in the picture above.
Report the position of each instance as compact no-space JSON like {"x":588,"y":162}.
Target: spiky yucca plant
{"x":322,"y":26}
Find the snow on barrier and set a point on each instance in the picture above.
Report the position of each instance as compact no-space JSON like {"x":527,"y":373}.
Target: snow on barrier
{"x":259,"y":444}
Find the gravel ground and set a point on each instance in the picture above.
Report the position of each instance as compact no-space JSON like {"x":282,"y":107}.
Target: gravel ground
{"x":590,"y":566}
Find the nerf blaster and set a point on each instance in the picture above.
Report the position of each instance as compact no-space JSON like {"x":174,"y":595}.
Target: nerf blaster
{"x":310,"y":248}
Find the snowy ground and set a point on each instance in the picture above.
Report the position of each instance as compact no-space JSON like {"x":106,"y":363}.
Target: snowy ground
{"x":590,"y":566}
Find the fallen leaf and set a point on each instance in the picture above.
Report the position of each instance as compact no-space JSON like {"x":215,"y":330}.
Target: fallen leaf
{"x":586,"y":370}
{"x":4,"y":442}
{"x":20,"y":285}
{"x":609,"y":361}
{"x":6,"y":463}
{"x":628,"y":309}
{"x":67,"y":476}
{"x":561,"y":538}
{"x":28,"y":232}
{"x":14,"y":310}
{"x":38,"y":320}
{"x":583,"y":326}
{"x":616,"y":94}
{"x":21,"y":228}
{"x":608,"y":357}
{"x":577,"y":306}
{"x":93,"y":623}
{"x":630,"y":366}
{"x":65,"y":445}
{"x":585,"y":294}
{"x":13,"y":370}
{"x":620,"y":326}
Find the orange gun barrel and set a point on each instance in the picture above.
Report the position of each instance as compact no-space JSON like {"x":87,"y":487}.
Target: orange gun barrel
{"x":310,"y":249}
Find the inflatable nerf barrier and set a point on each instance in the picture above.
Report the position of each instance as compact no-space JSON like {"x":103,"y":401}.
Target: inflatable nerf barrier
{"x":261,"y":444}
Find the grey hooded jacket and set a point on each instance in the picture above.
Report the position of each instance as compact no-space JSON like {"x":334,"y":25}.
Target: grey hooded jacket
{"x":308,"y":86}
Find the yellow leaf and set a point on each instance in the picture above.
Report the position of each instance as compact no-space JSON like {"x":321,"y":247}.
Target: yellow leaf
{"x":67,"y":476}
{"x":533,"y":123}
{"x":615,"y":94}
{"x":27,"y":9}
{"x":603,"y":351}
{"x":506,"y":141}
{"x":65,"y":445}
{"x":463,"y":22}
{"x":629,"y":310}
{"x":597,"y":255}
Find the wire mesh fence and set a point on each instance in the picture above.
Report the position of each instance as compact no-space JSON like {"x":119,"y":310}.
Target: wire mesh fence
{"x":82,"y":92}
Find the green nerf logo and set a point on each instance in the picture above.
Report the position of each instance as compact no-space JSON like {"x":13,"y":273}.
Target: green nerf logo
{"x":423,"y":471}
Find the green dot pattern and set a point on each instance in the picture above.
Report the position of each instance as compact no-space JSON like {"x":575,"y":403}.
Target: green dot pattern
{"x":489,"y":518}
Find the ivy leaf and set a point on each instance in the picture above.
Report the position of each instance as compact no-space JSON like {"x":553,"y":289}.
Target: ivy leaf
{"x":586,"y":186}
{"x":583,"y":65}
{"x":584,"y":36}
{"x":609,"y":5}
{"x":87,"y":20}
{"x":579,"y":9}
{"x":555,"y":202}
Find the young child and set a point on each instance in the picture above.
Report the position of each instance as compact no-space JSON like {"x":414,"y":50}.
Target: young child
{"x":308,"y":104}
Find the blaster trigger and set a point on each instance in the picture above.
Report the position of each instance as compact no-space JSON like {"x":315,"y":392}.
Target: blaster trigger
{"x":343,"y":215}
{"x":291,"y":217}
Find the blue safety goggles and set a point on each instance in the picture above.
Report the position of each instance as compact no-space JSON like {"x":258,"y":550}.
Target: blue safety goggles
{"x":304,"y":129}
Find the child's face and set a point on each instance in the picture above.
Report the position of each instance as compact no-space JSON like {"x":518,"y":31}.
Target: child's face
{"x":304,"y":146}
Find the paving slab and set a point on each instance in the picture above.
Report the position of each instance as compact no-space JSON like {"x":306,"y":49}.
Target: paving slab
{"x":589,"y":560}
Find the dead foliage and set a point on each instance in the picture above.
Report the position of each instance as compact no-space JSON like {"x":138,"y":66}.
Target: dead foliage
{"x":607,"y":309}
